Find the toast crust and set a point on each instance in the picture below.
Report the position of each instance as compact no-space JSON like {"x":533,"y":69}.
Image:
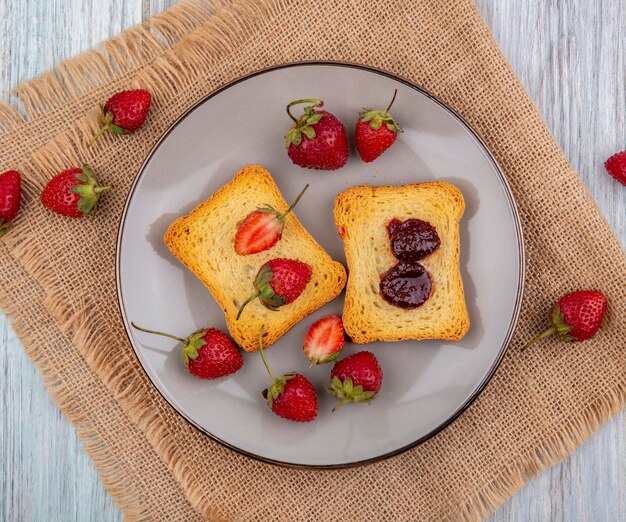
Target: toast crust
{"x":361,"y":216}
{"x":203,"y":241}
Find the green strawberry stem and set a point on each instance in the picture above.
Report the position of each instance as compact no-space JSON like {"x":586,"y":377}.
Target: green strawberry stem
{"x":395,"y":93}
{"x":281,"y":217}
{"x":558,"y":328}
{"x":284,"y":214}
{"x":107,"y":125}
{"x":314,"y":101}
{"x":267,"y":366}
{"x":245,"y":303}
{"x":550,"y":331}
{"x":102,"y":130}
{"x":163,"y":334}
{"x":345,"y":400}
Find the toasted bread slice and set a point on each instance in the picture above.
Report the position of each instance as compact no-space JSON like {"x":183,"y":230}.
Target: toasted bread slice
{"x":361,"y":216}
{"x":204,"y":242}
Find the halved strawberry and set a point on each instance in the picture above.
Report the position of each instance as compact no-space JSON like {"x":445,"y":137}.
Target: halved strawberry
{"x":324,"y":340}
{"x":261,"y":229}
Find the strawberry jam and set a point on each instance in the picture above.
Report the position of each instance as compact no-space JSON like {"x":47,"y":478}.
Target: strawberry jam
{"x":406,"y":285}
{"x":413,"y":239}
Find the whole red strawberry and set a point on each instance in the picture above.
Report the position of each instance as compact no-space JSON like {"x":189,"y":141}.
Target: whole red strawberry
{"x":279,"y":282}
{"x":317,"y":139}
{"x":616,"y":166}
{"x":260,"y":230}
{"x":576,"y":317}
{"x":124,"y":112}
{"x":73,"y":192}
{"x":207,"y":353}
{"x":323,"y":342}
{"x":357,"y":378}
{"x":10,"y":197}
{"x":291,"y":396}
{"x":376,"y":131}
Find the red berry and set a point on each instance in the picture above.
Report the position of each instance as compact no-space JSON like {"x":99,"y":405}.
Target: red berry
{"x":583,"y":311}
{"x":73,"y":192}
{"x":577,"y":316}
{"x":375,"y":132}
{"x":291,"y":396}
{"x":317,"y":140}
{"x":10,"y":197}
{"x":357,"y":378}
{"x":279,"y":282}
{"x":324,"y":340}
{"x":207,"y":353}
{"x":124,"y":112}
{"x":297,"y":401}
{"x":616,"y":166}
{"x":216,"y":358}
{"x":261,"y":229}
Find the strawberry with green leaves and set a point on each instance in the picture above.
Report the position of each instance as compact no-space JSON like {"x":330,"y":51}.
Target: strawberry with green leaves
{"x":375,"y":132}
{"x":74,"y":192}
{"x":10,"y":198}
{"x":279,"y":282}
{"x":124,"y":112}
{"x":207,"y":353}
{"x":324,"y":340}
{"x":357,"y":378}
{"x":290,"y":396}
{"x":262,"y":229}
{"x":576,"y":317}
{"x":317,"y":139}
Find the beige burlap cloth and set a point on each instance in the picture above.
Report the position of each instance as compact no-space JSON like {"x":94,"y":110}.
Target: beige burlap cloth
{"x":58,"y":284}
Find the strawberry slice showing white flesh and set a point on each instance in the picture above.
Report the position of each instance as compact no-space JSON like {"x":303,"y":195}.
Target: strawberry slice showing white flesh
{"x":324,"y":341}
{"x":259,"y":231}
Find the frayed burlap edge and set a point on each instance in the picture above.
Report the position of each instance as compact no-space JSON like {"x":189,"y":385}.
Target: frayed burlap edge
{"x":94,"y":72}
{"x":115,"y":58}
{"x":167,"y":43}
{"x":115,"y":483}
{"x":554,"y":450}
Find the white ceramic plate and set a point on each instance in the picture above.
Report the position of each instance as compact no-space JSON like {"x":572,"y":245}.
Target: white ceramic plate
{"x":426,"y":384}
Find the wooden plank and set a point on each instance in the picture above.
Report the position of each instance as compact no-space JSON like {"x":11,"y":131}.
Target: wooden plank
{"x":570,"y":57}
{"x":156,"y":6}
{"x":44,"y":472}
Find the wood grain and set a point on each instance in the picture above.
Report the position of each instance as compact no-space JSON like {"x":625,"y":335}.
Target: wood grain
{"x":570,"y":57}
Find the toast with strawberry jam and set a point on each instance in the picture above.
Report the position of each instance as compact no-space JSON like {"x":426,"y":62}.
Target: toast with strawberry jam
{"x":204,"y":241}
{"x":402,"y":249}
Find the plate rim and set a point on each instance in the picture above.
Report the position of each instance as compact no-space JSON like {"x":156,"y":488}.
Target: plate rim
{"x":518,"y":297}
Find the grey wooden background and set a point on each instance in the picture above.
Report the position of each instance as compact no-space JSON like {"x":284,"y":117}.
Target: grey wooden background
{"x":569,"y":55}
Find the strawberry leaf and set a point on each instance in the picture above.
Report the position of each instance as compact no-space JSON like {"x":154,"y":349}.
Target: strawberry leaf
{"x":194,"y":342}
{"x":263,"y":277}
{"x":376,"y":122}
{"x":273,"y":302}
{"x":377,"y":118}
{"x":86,"y":205}
{"x":347,"y":392}
{"x":304,"y":125}
{"x":116,"y":129}
{"x":294,"y":136}
{"x":314,"y":119}
{"x":309,"y":132}
{"x":273,"y":392}
{"x":4,"y":226}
